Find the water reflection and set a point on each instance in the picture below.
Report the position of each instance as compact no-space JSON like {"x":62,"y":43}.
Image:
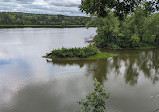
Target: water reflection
{"x":51,"y":96}
{"x":137,"y":63}
{"x":97,"y":68}
{"x":28,"y":82}
{"x":80,"y":63}
{"x":22,"y":66}
{"x":131,"y":78}
{"x":129,"y":63}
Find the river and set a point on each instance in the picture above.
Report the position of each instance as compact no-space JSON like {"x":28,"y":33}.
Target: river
{"x":28,"y":83}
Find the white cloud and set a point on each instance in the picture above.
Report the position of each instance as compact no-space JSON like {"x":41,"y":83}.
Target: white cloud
{"x":65,"y":7}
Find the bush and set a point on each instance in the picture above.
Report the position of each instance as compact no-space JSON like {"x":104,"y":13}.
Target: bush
{"x":75,"y":52}
{"x":135,"y":41}
{"x":113,"y":46}
{"x":100,"y":42}
{"x":131,"y":32}
{"x":152,"y":39}
{"x":123,"y":42}
{"x":95,"y":101}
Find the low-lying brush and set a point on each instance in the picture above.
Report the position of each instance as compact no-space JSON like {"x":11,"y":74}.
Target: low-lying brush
{"x":84,"y":52}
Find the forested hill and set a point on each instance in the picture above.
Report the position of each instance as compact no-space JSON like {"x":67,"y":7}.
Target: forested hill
{"x":18,"y":18}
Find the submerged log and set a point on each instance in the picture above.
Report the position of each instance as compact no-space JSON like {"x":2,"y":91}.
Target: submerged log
{"x":48,"y":54}
{"x":49,"y":60}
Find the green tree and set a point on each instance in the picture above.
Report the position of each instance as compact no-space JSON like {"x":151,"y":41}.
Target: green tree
{"x":152,"y":29}
{"x":107,"y":30}
{"x":14,"y":18}
{"x":134,"y":24}
{"x":120,"y":7}
{"x":135,"y":41}
{"x":95,"y":101}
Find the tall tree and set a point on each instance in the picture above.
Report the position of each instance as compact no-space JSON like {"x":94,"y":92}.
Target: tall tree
{"x":120,"y":7}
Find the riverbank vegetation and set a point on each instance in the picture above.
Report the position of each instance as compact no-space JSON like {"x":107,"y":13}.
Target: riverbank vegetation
{"x":135,"y":31}
{"x":96,"y":100}
{"x":124,"y":24}
{"x":41,"y":26}
{"x":84,"y":52}
{"x":24,"y":19}
{"x":89,"y":52}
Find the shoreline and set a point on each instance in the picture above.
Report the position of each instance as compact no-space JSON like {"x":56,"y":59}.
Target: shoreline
{"x":41,"y":26}
{"x":101,"y":55}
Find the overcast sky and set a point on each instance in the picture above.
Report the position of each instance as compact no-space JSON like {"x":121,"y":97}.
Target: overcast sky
{"x":65,"y":7}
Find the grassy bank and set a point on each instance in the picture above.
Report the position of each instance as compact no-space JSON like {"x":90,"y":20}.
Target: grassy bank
{"x":85,"y":53}
{"x":41,"y":26}
{"x":100,"y":55}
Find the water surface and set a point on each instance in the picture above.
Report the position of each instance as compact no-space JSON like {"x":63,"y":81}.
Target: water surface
{"x":30,"y":84}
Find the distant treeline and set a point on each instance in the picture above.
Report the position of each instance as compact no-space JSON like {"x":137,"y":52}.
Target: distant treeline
{"x":18,"y":18}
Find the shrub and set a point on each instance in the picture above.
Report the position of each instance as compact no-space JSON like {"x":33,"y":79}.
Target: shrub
{"x":95,"y":101}
{"x":135,"y":41}
{"x":152,"y":39}
{"x":123,"y":42}
{"x":113,"y":46}
{"x":90,"y":50}
{"x":100,"y":42}
{"x":75,"y":52}
{"x":131,"y":32}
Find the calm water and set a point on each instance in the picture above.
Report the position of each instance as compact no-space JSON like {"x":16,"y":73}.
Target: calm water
{"x":29,"y":84}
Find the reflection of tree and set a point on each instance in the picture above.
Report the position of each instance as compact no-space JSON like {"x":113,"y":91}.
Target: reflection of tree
{"x":96,"y":67}
{"x":137,"y":62}
{"x":52,"y":96}
{"x":131,"y":71}
{"x":80,"y":63}
{"x":130,"y":63}
{"x":152,"y":66}
{"x":35,"y":98}
{"x":99,"y":70}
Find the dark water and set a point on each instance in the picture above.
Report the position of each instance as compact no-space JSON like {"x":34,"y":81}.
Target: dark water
{"x":29,"y":84}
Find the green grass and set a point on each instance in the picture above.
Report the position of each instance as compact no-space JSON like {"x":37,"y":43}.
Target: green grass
{"x":101,"y":55}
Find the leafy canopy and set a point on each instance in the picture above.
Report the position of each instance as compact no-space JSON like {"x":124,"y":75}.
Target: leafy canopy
{"x":17,"y":18}
{"x":120,"y":7}
{"x":95,"y":101}
{"x":135,"y":31}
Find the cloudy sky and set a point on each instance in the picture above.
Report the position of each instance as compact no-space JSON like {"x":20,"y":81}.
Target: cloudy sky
{"x":65,"y":7}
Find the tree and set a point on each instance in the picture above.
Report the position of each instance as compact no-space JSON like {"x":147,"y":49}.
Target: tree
{"x":120,"y":7}
{"x":15,"y":18}
{"x":152,"y":29}
{"x":134,"y":24}
{"x":107,"y":30}
{"x":95,"y":101}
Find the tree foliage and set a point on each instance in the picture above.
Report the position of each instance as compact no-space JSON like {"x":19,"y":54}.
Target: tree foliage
{"x":152,"y":29}
{"x":107,"y":29}
{"x":75,"y":52}
{"x":120,"y":7}
{"x":14,"y":18}
{"x":136,"y":30}
{"x":146,"y":28}
{"x":95,"y":101}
